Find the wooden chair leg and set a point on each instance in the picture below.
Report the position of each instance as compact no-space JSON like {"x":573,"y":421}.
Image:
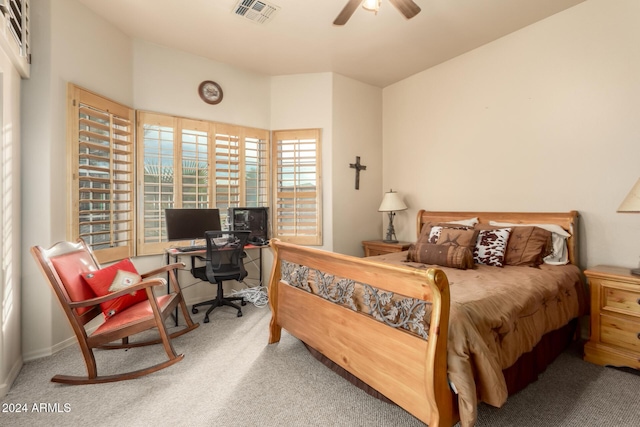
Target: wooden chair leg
{"x":71,"y":380}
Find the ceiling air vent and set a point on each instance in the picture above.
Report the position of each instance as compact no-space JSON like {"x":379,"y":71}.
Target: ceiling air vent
{"x":256,"y":10}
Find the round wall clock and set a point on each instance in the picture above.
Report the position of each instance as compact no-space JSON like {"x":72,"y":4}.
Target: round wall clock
{"x":210,"y":92}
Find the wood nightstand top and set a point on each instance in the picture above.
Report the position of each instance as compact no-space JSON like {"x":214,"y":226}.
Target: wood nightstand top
{"x":611,"y":272}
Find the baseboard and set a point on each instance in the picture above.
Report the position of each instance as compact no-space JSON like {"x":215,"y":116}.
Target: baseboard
{"x":13,"y":374}
{"x":48,"y":351}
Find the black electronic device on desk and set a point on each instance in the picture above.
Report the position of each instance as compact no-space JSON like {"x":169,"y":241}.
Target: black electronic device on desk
{"x":253,"y":219}
{"x":190,"y":224}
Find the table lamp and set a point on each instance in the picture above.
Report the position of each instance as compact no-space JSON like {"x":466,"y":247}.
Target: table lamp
{"x":631,"y":203}
{"x":391,"y":203}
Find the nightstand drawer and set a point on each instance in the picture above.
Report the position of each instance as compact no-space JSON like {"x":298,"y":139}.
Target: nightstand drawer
{"x":377,"y":251}
{"x":620,"y":332}
{"x":620,"y":300}
{"x":379,"y":247}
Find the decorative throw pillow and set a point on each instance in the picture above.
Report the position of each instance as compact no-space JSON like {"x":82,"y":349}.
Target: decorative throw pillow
{"x":528,"y":246}
{"x":112,"y":279}
{"x":491,"y":246}
{"x":453,"y":236}
{"x":559,"y":236}
{"x":425,"y":232}
{"x":443,"y":255}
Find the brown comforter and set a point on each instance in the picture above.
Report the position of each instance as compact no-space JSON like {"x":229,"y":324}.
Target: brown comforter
{"x":498,"y":314}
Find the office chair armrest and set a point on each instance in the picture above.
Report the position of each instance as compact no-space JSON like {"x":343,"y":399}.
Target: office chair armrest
{"x":163,"y":269}
{"x":137,"y":287}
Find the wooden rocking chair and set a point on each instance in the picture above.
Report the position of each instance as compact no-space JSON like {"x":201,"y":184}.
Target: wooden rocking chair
{"x":64,"y":265}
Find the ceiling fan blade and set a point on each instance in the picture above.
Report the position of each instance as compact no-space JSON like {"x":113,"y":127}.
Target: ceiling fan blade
{"x":407,"y":7}
{"x":347,"y":11}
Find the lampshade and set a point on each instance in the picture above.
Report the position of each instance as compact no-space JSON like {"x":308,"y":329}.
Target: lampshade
{"x":392,"y":202}
{"x":631,"y":203}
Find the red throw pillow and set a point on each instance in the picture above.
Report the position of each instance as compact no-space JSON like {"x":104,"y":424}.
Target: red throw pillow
{"x":114,"y":278}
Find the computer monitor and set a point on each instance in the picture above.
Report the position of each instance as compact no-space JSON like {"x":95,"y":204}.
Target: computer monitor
{"x":190,"y":224}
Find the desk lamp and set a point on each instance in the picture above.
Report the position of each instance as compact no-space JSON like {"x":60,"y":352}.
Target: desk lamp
{"x":631,"y":203}
{"x":391,"y":203}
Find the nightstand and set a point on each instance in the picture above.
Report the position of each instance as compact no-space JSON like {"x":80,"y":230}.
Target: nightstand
{"x":615,"y":317}
{"x":378,"y":247}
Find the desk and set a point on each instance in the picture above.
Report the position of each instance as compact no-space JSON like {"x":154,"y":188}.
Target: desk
{"x":251,"y":258}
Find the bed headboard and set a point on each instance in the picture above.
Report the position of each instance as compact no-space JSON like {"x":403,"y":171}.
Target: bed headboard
{"x":567,"y":220}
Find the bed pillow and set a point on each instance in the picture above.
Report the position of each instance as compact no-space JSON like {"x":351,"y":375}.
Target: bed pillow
{"x":559,"y":236}
{"x":468,"y":222}
{"x":442,"y":255}
{"x":114,"y":278}
{"x":491,"y":246}
{"x":427,"y":226}
{"x":528,"y":246}
{"x":442,"y":235}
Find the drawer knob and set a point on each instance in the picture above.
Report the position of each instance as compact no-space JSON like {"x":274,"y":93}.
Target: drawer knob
{"x":638,"y":335}
{"x":638,"y":301}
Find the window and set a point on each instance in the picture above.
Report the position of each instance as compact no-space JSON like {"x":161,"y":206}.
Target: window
{"x":102,"y":181}
{"x":297,"y":208}
{"x":185,"y":163}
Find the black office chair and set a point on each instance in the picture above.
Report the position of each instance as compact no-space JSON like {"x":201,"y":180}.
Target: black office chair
{"x":224,"y":261}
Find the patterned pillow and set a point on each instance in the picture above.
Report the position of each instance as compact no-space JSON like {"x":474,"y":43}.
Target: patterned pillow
{"x":443,"y":255}
{"x":528,"y":246}
{"x":112,"y":279}
{"x":453,"y":236}
{"x":425,"y":232}
{"x":491,"y":246}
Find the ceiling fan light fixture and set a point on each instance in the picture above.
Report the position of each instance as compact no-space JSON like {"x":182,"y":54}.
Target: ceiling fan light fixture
{"x":371,"y":5}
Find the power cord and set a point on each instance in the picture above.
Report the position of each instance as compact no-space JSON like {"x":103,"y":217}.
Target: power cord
{"x":256,"y":295}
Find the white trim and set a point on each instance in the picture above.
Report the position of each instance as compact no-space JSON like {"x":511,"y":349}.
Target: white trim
{"x":13,"y":374}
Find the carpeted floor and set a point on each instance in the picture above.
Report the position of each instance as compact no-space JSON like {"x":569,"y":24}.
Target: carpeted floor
{"x":231,"y":377}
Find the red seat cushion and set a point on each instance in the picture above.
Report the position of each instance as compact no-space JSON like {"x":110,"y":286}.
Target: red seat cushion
{"x":111,"y":279}
{"x":136,"y":313}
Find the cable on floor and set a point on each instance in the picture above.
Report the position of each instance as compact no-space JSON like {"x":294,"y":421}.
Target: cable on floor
{"x":256,"y":295}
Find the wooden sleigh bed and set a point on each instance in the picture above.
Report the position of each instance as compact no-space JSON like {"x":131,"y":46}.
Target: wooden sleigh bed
{"x":387,"y":322}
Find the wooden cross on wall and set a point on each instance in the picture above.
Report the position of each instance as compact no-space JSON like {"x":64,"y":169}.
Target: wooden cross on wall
{"x":358,"y":167}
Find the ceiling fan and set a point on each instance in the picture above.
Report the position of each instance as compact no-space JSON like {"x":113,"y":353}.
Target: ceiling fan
{"x":407,"y":7}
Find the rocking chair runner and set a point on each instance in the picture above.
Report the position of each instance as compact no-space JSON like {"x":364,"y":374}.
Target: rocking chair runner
{"x":63,"y":265}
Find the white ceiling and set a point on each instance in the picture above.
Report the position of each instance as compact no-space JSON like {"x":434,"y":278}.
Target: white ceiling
{"x":300,"y":38}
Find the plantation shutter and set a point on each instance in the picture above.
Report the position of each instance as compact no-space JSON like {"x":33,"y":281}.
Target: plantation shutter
{"x":297,"y":179}
{"x":196,"y":188}
{"x":102,"y":168}
{"x":256,"y":167}
{"x":19,"y":24}
{"x":156,"y":155}
{"x":227,"y":169}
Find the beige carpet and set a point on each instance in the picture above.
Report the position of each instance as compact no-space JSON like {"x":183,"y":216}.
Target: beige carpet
{"x":231,"y":377}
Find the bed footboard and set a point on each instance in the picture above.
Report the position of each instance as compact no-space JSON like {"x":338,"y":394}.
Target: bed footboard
{"x":398,"y":347}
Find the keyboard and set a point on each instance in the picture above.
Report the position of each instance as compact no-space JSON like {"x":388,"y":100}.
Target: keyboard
{"x":191,"y":248}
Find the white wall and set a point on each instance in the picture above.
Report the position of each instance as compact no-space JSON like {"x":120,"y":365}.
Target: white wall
{"x":357,"y":131}
{"x":166,"y":80}
{"x":544,"y":119}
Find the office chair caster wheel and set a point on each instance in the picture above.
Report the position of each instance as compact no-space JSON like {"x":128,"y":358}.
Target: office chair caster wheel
{"x":194,"y":310}
{"x":243,"y":303}
{"x":206,"y":320}
{"x":239,"y":314}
